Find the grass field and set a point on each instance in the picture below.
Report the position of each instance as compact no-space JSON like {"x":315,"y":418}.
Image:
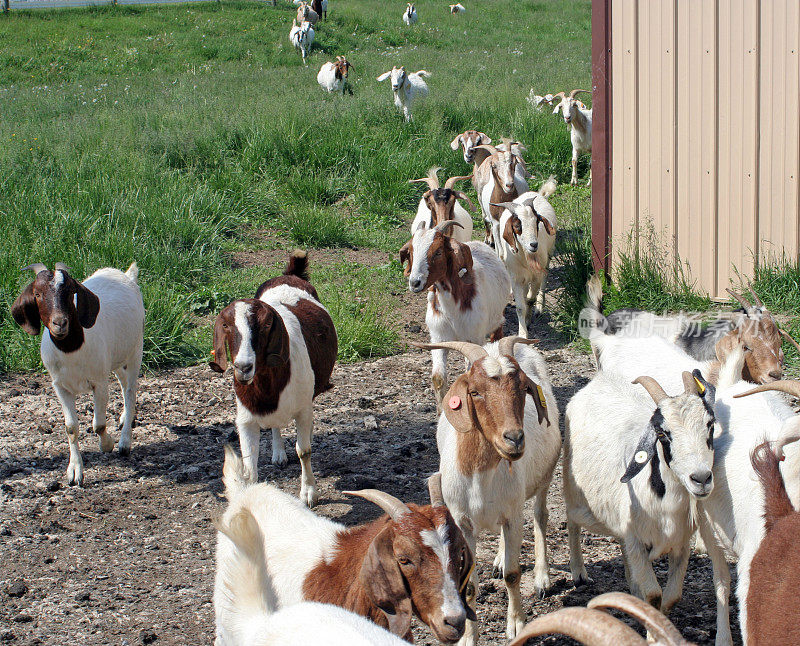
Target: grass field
{"x":176,"y":135}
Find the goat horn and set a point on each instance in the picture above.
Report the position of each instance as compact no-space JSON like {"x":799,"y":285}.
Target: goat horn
{"x":435,"y":490}
{"x":574,"y":92}
{"x":662,"y":628}
{"x":393,"y":506}
{"x":756,"y":299}
{"x":444,"y":226}
{"x":60,"y":266}
{"x":35,"y":267}
{"x":451,"y":181}
{"x":472,"y":351}
{"x":652,"y":387}
{"x":461,"y":195}
{"x":788,"y":337}
{"x":588,"y":626}
{"x":742,"y":301}
{"x":561,"y":94}
{"x":505,"y":346}
{"x":689,"y":384}
{"x":488,"y":147}
{"x":432,"y":178}
{"x":790,"y":386}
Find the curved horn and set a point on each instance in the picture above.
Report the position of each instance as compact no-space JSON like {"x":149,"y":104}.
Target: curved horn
{"x":435,"y":490}
{"x":451,"y":181}
{"x":35,"y":267}
{"x":60,"y":266}
{"x":656,"y":623}
{"x":652,"y":387}
{"x":393,"y":506}
{"x":511,"y":206}
{"x":788,"y":337}
{"x":742,"y":301}
{"x":560,"y":94}
{"x":487,"y":147}
{"x":689,"y":384}
{"x":472,"y":351}
{"x":756,"y":299}
{"x":505,"y":346}
{"x":588,"y":626}
{"x":789,"y":386}
{"x":432,"y":178}
{"x":444,"y":226}
{"x":574,"y":92}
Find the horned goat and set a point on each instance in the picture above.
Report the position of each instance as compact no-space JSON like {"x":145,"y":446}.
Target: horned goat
{"x":92,"y":329}
{"x":579,"y":119}
{"x":470,"y":291}
{"x":438,"y":205}
{"x":488,"y":425}
{"x":410,"y":14}
{"x":306,"y":14}
{"x":302,"y":37}
{"x":332,"y":77}
{"x":283,"y":346}
{"x":406,"y":88}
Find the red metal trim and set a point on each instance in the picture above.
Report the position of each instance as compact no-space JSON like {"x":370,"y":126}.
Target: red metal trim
{"x":601,"y":134}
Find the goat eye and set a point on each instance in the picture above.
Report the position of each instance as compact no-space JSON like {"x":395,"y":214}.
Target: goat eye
{"x":404,"y":561}
{"x":475,"y":393}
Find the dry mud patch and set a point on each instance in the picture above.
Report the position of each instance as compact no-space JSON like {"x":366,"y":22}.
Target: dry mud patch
{"x":129,"y":559}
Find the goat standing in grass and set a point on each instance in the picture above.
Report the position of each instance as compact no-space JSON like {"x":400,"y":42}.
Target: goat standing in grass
{"x":302,"y":37}
{"x":406,"y":88}
{"x":579,"y":119}
{"x":332,"y":77}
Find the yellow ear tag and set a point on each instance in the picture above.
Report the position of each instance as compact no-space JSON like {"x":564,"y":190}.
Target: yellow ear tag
{"x":541,"y":396}
{"x":701,"y":389}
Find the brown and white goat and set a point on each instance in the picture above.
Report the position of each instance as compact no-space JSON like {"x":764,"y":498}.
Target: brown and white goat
{"x":306,"y":13}
{"x":332,"y":77}
{"x":411,"y":561}
{"x":470,"y":291}
{"x":439,"y":205}
{"x":92,"y":329}
{"x":283,"y":346}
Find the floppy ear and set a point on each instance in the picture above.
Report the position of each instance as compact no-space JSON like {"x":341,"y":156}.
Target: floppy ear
{"x":537,"y":394}
{"x":88,"y":305}
{"x":405,"y":257}
{"x":461,"y":255}
{"x":276,"y":349}
{"x":220,"y":345}
{"x":484,"y":138}
{"x":457,"y":405}
{"x":384,"y":76}
{"x":545,"y":222}
{"x":645,"y":451}
{"x":26,"y":312}
{"x":463,"y":583}
{"x":455,"y":143}
{"x":384,"y":585}
{"x":706,"y":390}
{"x":508,"y":234}
{"x":557,"y":108}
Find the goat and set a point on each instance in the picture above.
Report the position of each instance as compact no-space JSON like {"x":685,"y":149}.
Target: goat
{"x":411,"y":561}
{"x":754,"y":326}
{"x":332,"y":77}
{"x":92,"y":329}
{"x":302,"y":37}
{"x":649,"y":514}
{"x":320,"y":7}
{"x":526,"y":244}
{"x":470,"y":291}
{"x":406,"y":88}
{"x":457,"y":8}
{"x":579,"y":119}
{"x":247,"y":609}
{"x":283,"y":346}
{"x":410,"y":15}
{"x":306,"y":14}
{"x":498,"y":181}
{"x":592,"y":627}
{"x":487,"y":426}
{"x":438,"y":205}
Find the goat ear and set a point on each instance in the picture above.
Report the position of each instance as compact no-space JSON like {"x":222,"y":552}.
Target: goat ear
{"x":462,"y":257}
{"x":276,"y":348}
{"x":705,"y":389}
{"x":88,"y":305}
{"x":26,"y":312}
{"x":645,"y":451}
{"x":484,"y":138}
{"x":384,"y":585}
{"x":537,"y":394}
{"x":405,"y":257}
{"x":457,"y":406}
{"x":455,"y":143}
{"x":384,"y":76}
{"x":463,"y":583}
{"x":545,"y":223}
{"x":220,"y":351}
{"x":508,"y":234}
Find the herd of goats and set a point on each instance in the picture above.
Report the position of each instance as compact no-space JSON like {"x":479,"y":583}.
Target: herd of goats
{"x":681,"y":435}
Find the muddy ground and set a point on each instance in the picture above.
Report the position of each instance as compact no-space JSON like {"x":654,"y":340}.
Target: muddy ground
{"x":129,"y":558}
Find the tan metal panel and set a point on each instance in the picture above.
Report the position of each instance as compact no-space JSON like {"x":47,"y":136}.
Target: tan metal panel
{"x":738,"y":141}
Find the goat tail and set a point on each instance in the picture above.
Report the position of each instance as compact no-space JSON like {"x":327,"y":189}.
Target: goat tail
{"x":423,"y":73}
{"x":549,"y":187}
{"x":298,"y":264}
{"x":234,"y":474}
{"x":776,"y":500}
{"x":243,"y":569}
{"x":133,"y":272}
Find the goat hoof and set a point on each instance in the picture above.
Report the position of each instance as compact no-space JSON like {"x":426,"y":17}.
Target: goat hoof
{"x":583,"y":580}
{"x":74,"y":477}
{"x":497,"y":572}
{"x":309,"y":496}
{"x":539,"y":593}
{"x":280,"y":459}
{"x":124,"y":451}
{"x":106,"y":443}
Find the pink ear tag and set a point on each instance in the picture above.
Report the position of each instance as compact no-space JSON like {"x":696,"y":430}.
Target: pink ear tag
{"x":455,"y":402}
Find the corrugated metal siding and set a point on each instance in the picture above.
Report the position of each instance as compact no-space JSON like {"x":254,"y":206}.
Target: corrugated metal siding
{"x":705,"y":99}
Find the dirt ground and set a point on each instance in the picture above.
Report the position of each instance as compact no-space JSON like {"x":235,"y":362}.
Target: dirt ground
{"x":129,"y":558}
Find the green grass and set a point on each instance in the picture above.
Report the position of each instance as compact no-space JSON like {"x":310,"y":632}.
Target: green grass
{"x":174,"y":135}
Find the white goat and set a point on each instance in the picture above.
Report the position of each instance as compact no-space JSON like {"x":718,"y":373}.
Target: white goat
{"x":332,"y":77}
{"x":457,"y":8}
{"x":527,"y":239}
{"x":440,"y":204}
{"x":579,"y":119}
{"x":247,"y":608}
{"x":488,"y":425}
{"x":410,"y":14}
{"x":407,"y":88}
{"x":93,"y":328}
{"x":470,"y":291}
{"x":302,"y":37}
{"x":651,"y":513}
